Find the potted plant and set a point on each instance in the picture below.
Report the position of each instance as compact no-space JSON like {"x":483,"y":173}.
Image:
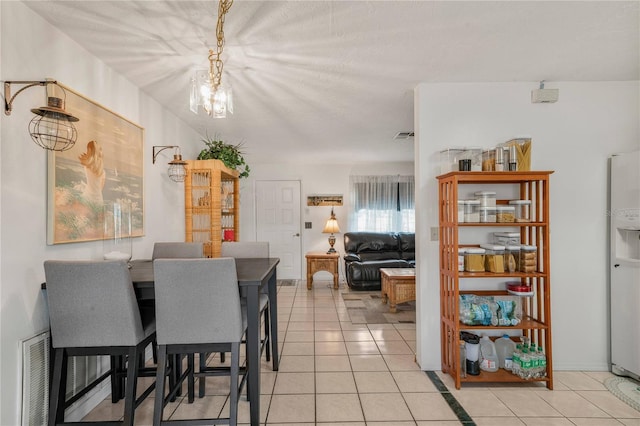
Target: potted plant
{"x":230,"y":155}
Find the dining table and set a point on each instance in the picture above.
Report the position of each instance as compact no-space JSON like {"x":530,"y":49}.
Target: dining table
{"x":254,"y":274}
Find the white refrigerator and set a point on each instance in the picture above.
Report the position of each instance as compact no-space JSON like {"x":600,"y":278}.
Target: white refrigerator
{"x":625,"y":263}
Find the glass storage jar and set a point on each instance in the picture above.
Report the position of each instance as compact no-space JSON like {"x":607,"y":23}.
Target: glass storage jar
{"x":505,"y":214}
{"x":487,"y":198}
{"x":511,"y":258}
{"x":522,"y":210}
{"x":461,"y":204}
{"x":494,"y":258}
{"x":528,"y":259}
{"x":506,"y":238}
{"x":474,"y":259}
{"x":461,"y":252}
{"x":487,"y":214}
{"x":471,"y":213}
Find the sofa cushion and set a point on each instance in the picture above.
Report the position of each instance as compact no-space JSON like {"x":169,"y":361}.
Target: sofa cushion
{"x":367,"y":242}
{"x":407,"y":242}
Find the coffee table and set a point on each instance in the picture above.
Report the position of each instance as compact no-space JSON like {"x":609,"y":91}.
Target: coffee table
{"x":398,"y":286}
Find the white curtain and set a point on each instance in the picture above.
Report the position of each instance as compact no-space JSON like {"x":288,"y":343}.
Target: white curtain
{"x":382,"y":203}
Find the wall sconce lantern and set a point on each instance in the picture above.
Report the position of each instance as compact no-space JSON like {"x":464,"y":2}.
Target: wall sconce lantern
{"x":52,"y":128}
{"x":177,"y":167}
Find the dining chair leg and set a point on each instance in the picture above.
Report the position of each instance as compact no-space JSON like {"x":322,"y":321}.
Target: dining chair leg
{"x":161,"y":374}
{"x":130,"y":387}
{"x":267,"y":336}
{"x":234,"y":390}
{"x":190,"y":378}
{"x":58,"y":388}
{"x":201,"y":380}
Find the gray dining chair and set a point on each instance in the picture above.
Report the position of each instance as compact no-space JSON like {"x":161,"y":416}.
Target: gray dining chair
{"x":93,"y":311}
{"x":173,"y":250}
{"x":198,"y":310}
{"x":253,"y":249}
{"x":177,"y":250}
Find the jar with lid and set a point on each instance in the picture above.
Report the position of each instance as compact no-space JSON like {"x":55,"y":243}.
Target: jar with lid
{"x":487,"y":214}
{"x":474,"y":259}
{"x":494,"y":258}
{"x":528,"y":259}
{"x":506,"y":238}
{"x":505,"y":214}
{"x":461,"y":252}
{"x":471,"y":213}
{"x":487,"y":198}
{"x":488,"y":160}
{"x":511,"y":257}
{"x":523,"y":208}
{"x":461,"y":204}
{"x":499,"y":159}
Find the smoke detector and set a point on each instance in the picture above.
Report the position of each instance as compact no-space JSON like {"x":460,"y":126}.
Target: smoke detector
{"x":403,"y":136}
{"x":544,"y":96}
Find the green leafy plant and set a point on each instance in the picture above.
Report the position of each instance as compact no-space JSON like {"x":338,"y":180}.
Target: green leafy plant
{"x":230,"y":155}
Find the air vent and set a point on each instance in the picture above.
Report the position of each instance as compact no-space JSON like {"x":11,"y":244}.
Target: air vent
{"x":403,"y":136}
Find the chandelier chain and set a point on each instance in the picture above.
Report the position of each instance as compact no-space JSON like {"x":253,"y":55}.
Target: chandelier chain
{"x":215,"y":63}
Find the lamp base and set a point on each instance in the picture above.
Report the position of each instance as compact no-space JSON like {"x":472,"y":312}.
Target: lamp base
{"x":332,"y":241}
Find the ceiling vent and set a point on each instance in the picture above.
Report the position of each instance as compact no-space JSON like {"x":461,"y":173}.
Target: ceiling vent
{"x":403,"y":136}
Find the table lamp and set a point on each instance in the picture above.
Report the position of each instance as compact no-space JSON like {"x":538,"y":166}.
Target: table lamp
{"x":330,"y":228}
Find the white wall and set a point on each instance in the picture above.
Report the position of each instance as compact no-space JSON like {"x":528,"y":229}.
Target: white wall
{"x":315,"y":179}
{"x":574,"y":137}
{"x":34,"y":50}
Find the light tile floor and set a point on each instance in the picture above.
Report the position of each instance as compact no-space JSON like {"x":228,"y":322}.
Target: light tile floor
{"x":333,"y":372}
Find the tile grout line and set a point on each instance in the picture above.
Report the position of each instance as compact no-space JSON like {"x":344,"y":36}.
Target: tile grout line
{"x":453,"y":403}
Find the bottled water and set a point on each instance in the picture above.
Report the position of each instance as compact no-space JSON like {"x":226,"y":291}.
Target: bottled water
{"x":505,"y":347}
{"x":535,"y":364}
{"x":542,"y":360}
{"x":515,"y":366}
{"x":488,"y":356}
{"x":525,"y":364}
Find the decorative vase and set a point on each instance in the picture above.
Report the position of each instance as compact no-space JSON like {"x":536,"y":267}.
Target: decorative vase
{"x":117,"y":244}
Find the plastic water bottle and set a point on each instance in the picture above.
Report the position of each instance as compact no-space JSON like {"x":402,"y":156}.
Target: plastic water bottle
{"x":525,"y":364}
{"x":542,"y":360}
{"x":535,"y":362}
{"x":515,"y":366}
{"x":505,"y":347}
{"x":488,"y":355}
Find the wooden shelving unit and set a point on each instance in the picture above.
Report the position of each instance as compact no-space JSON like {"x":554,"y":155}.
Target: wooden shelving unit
{"x":536,"y":321}
{"x":212,"y":212}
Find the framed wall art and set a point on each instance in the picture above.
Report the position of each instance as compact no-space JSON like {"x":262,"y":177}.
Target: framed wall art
{"x":104,"y":166}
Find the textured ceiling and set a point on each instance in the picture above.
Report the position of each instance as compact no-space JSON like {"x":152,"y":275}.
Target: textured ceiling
{"x":311,"y":75}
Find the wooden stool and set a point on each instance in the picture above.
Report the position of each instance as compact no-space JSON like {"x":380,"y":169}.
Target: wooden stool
{"x":398,"y":286}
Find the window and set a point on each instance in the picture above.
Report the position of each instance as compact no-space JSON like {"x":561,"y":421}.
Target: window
{"x":382,"y":203}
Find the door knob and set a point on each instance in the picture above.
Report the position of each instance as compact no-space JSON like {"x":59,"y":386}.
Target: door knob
{"x":297,"y":234}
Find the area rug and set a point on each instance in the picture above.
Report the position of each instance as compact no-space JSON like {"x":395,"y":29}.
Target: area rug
{"x":366,"y":307}
{"x":625,"y":389}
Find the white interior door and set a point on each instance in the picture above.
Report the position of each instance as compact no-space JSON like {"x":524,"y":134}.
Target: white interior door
{"x":278,"y":221}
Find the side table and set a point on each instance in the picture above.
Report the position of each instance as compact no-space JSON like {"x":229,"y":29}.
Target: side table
{"x":320,"y":261}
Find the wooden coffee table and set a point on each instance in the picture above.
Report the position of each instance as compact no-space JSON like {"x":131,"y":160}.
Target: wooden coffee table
{"x":398,"y":286}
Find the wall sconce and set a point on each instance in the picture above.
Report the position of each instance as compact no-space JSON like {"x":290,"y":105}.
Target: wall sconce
{"x":331,"y":228}
{"x":177,"y":167}
{"x":52,"y":128}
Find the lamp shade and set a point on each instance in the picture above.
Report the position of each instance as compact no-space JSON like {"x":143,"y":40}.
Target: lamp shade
{"x":332,"y":226}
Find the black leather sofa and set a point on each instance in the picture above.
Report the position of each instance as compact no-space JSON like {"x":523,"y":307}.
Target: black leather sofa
{"x":367,"y":252}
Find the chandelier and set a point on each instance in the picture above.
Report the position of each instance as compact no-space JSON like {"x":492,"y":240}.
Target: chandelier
{"x":208,"y":93}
